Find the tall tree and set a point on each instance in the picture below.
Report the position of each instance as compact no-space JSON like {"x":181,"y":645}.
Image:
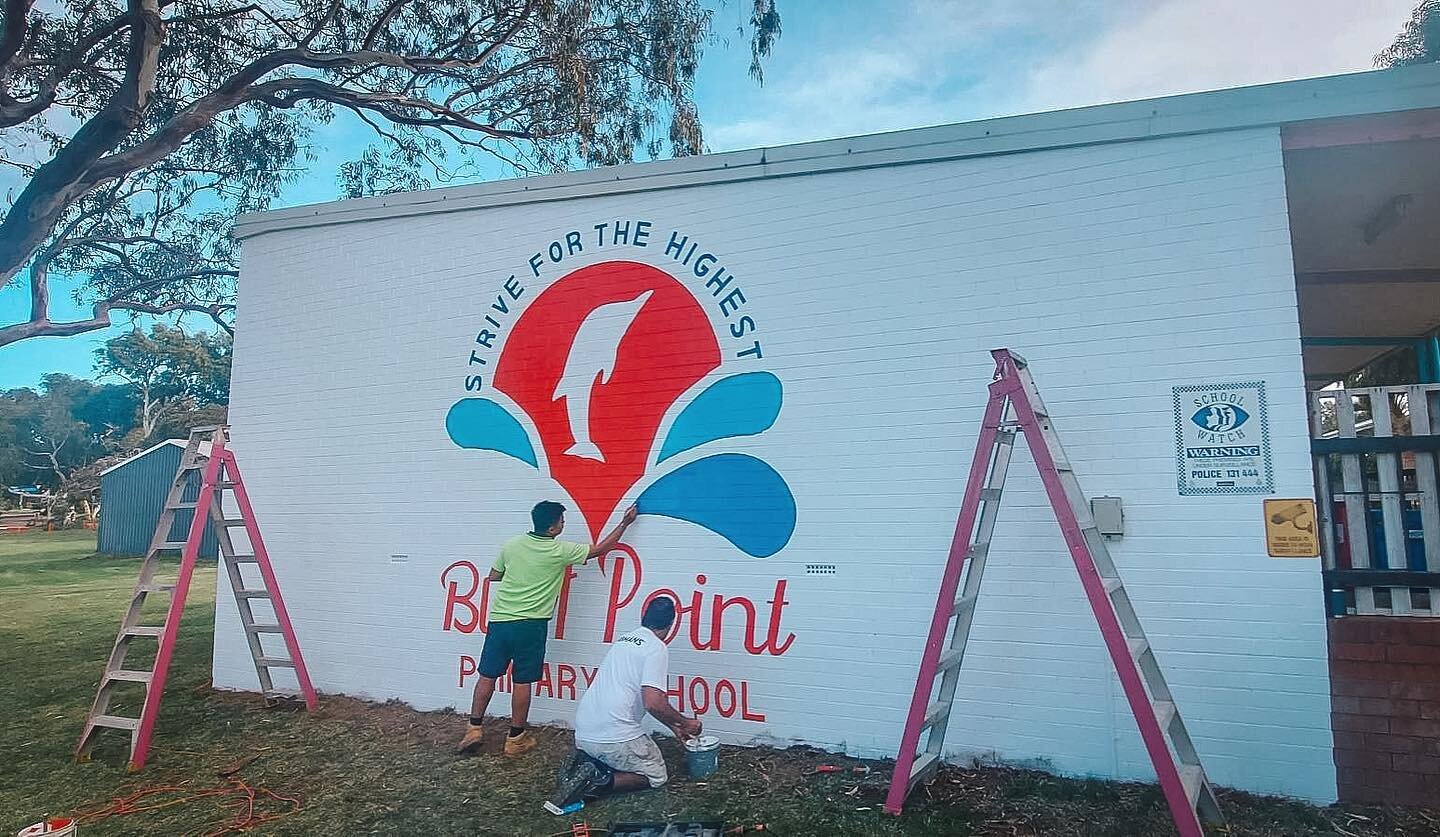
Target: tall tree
{"x":174,"y":375}
{"x":1418,"y":42}
{"x":142,"y":126}
{"x":46,"y":436}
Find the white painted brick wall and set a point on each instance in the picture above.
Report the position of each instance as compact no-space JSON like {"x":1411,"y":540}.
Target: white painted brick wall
{"x":1120,"y":271}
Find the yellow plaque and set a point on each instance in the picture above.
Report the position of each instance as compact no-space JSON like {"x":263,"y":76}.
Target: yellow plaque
{"x":1291,"y":530}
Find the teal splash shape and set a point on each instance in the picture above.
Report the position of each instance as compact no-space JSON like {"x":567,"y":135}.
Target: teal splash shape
{"x":737,"y":497}
{"x":740,"y":405}
{"x":484,"y":425}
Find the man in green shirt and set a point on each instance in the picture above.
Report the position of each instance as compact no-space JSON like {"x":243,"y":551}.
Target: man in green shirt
{"x":526,"y":580}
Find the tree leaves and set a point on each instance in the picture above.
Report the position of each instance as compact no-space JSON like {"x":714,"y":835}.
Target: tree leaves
{"x":164,"y":118}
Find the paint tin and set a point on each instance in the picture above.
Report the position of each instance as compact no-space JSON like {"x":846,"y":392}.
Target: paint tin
{"x":51,"y":827}
{"x":702,"y":756}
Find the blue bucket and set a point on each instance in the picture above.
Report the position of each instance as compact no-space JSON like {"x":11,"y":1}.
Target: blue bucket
{"x":702,"y":756}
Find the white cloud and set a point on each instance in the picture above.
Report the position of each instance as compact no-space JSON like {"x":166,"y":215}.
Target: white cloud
{"x":935,"y":61}
{"x":1182,"y":46}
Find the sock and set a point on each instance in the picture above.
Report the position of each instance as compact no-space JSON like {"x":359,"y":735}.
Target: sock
{"x":514,"y":731}
{"x":476,"y":721}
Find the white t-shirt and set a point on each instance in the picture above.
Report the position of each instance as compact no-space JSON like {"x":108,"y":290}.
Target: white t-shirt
{"x":612,"y":709}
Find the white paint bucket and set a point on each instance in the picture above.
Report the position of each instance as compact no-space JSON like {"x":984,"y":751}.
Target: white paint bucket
{"x":51,"y":827}
{"x":702,"y":756}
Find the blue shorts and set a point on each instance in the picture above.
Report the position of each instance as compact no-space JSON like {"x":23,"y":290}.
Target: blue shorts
{"x":521,"y":642}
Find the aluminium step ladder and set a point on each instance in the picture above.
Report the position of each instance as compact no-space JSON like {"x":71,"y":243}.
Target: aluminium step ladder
{"x":206,"y":454}
{"x":1015,"y":407}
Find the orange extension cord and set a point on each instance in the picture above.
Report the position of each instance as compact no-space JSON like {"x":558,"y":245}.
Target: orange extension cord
{"x":234,"y":796}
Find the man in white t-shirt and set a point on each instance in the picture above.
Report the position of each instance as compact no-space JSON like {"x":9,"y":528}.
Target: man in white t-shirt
{"x":613,"y":754}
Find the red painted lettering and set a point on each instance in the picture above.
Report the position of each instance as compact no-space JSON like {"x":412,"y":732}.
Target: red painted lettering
{"x":544,"y":682}
{"x":564,"y":679}
{"x":677,"y":694}
{"x":745,"y":713}
{"x":717,"y":621}
{"x":777,"y":604}
{"x":589,"y":674}
{"x":720,"y":689}
{"x":562,"y":606}
{"x":467,"y":668}
{"x":617,"y":580}
{"x":466,"y":572}
{"x":713,"y":644}
{"x":699,"y":702}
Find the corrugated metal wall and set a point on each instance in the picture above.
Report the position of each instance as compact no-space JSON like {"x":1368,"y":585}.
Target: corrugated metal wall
{"x":132,"y":497}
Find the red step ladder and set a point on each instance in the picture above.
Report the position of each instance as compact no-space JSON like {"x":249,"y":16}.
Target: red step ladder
{"x":205,"y":452}
{"x":1015,"y":407}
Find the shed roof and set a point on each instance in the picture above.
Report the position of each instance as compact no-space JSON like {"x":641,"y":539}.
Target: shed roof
{"x":180,"y":443}
{"x":1284,"y":103}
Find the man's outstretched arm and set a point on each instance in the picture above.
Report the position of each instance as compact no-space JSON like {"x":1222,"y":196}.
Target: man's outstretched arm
{"x":660,"y":709}
{"x":609,"y":541}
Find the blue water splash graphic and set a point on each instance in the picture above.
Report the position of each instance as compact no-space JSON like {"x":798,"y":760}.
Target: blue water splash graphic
{"x":484,"y":425}
{"x":733,"y":495}
{"x":740,"y":405}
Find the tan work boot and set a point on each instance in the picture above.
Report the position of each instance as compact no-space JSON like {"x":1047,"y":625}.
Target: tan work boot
{"x":522,"y":743}
{"x":471,"y":742}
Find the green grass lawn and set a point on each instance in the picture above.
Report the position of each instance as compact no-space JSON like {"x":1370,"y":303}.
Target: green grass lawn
{"x":355,"y":768}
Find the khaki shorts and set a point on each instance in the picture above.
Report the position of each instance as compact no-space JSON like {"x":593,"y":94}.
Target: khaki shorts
{"x":638,"y":755}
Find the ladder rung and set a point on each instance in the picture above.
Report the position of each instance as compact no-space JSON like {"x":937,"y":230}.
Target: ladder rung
{"x":193,"y":466}
{"x":226,"y":484}
{"x":274,"y":662}
{"x":950,"y":659}
{"x":115,"y":722}
{"x":155,"y":588}
{"x":280,"y":694}
{"x":1165,"y":713}
{"x":169,"y":545}
{"x":252,"y":594}
{"x":144,"y":630}
{"x":934,"y":712}
{"x":244,"y":559}
{"x":1137,"y":647}
{"x":130,"y":676}
{"x":990,"y":495}
{"x":963,"y":604}
{"x":922,"y":766}
{"x":263,"y":628}
{"x":232,"y":522}
{"x":181,"y":506}
{"x":1192,"y":776}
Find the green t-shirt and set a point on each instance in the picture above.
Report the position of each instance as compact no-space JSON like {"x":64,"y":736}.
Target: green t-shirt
{"x":534,"y":567}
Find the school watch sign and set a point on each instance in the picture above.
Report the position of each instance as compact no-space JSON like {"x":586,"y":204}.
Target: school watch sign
{"x":617,"y":360}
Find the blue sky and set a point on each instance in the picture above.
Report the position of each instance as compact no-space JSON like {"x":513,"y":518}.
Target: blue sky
{"x":846,"y":67}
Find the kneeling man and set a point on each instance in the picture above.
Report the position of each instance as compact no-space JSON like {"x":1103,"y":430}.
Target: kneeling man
{"x":613,"y":753}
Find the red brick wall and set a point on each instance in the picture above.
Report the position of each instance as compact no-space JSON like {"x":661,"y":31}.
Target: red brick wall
{"x":1385,"y":702}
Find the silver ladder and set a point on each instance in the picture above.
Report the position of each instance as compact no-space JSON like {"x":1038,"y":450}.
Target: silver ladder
{"x":205,"y":454}
{"x":1015,"y":407}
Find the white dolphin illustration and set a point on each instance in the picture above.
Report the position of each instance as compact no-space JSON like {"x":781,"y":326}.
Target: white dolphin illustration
{"x":591,"y":361}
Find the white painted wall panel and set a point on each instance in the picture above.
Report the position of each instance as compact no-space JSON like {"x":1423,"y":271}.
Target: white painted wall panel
{"x":1120,"y":271}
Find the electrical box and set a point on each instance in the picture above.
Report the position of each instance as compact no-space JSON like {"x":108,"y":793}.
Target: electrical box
{"x":1109,"y":516}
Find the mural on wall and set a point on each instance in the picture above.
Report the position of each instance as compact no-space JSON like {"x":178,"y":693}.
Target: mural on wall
{"x":600,"y":381}
{"x":596,"y":362}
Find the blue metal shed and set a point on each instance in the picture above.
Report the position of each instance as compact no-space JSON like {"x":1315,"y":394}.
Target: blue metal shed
{"x":132,"y":495}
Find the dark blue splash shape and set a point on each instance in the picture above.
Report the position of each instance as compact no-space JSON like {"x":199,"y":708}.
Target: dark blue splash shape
{"x":737,"y":497}
{"x":482,"y":424}
{"x":740,"y":405}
